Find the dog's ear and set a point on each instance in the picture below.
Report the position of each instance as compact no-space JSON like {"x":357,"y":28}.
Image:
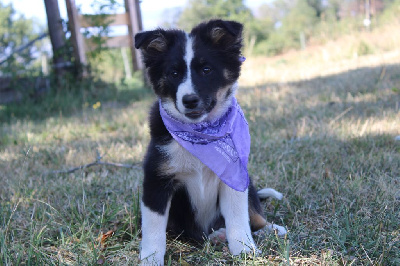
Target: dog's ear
{"x":221,"y":33}
{"x":225,"y":32}
{"x":151,"y":41}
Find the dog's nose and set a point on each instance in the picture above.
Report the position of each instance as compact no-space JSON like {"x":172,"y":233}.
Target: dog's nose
{"x":191,"y":101}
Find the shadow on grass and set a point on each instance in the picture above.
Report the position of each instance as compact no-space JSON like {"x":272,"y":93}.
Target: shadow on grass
{"x":369,"y":78}
{"x":69,"y":97}
{"x":360,"y":93}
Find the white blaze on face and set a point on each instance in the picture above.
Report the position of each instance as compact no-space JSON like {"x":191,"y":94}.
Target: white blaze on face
{"x":187,"y":86}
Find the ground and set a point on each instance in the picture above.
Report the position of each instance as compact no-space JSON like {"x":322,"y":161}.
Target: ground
{"x":323,"y":133}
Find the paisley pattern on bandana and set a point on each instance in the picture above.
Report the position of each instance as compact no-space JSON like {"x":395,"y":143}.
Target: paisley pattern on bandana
{"x":223,"y":145}
{"x":192,"y":138}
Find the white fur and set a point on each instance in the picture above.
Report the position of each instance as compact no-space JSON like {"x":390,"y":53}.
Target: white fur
{"x":234,"y":208}
{"x":201,"y":183}
{"x":177,"y":109}
{"x":203,"y":193}
{"x":203,"y":187}
{"x":269,"y":192}
{"x":273,"y":228}
{"x":154,"y":226}
{"x":186,"y":87}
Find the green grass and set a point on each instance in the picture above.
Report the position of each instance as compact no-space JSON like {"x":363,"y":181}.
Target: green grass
{"x":70,"y":96}
{"x":326,"y":142}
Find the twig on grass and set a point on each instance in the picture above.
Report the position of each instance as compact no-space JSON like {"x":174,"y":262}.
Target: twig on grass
{"x":98,"y":161}
{"x":340,"y":115}
{"x":68,"y":171}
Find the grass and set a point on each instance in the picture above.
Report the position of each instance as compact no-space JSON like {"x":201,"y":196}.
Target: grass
{"x":323,"y":133}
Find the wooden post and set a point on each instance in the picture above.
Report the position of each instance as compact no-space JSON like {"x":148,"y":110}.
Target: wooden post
{"x":45,"y":67}
{"x":127,"y":67}
{"x":57,"y":36}
{"x":134,"y":26}
{"x":139,"y":15}
{"x":76,"y":36}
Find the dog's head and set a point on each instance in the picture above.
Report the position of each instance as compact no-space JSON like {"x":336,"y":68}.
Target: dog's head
{"x":195,"y":75}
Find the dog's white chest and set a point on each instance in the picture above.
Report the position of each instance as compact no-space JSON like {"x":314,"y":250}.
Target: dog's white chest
{"x":201,"y":183}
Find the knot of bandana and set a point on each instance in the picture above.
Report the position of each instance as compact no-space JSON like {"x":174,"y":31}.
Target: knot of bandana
{"x":222,"y":145}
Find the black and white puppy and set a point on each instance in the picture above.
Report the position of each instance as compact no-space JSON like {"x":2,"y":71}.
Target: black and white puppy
{"x":195,"y":78}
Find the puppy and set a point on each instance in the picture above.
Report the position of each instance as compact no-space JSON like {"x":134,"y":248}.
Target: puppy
{"x":195,"y":171}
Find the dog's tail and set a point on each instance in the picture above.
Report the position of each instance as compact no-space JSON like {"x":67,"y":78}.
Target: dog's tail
{"x":269,"y":192}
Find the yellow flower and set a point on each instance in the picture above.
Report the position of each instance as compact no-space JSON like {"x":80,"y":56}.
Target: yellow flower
{"x":96,"y":105}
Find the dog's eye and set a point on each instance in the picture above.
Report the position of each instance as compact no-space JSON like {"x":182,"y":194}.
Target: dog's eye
{"x":174,"y":74}
{"x":206,"y":70}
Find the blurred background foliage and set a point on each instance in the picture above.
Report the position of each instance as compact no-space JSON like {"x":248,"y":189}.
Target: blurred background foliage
{"x":277,"y":26}
{"x":273,"y":28}
{"x":16,"y":31}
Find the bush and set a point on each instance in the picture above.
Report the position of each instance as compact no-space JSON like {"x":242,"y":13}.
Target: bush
{"x":364,"y":48}
{"x":274,"y":45}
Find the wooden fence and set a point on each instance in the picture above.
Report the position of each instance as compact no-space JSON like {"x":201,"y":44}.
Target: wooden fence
{"x":12,"y":90}
{"x":131,"y":18}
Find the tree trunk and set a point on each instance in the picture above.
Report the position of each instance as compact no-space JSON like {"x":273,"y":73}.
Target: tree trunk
{"x":57,"y":36}
{"x":77,"y":38}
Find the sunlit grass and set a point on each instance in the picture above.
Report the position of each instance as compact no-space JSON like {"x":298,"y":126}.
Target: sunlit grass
{"x":323,"y":133}
{"x":336,"y":56}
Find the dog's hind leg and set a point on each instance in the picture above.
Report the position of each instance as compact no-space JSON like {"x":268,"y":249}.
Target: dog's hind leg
{"x":274,"y":228}
{"x":257,"y":220}
{"x":218,"y":236}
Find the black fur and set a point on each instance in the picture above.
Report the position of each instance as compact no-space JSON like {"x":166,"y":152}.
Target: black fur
{"x":161,"y":64}
{"x":217,"y":46}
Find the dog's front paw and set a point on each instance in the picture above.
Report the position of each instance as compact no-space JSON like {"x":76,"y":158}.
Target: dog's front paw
{"x":242,"y":248}
{"x":244,"y":244}
{"x":152,"y":259}
{"x":150,"y":256}
{"x":236,"y":247}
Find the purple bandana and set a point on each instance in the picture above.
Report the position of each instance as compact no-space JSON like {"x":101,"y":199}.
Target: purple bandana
{"x":222,"y":145}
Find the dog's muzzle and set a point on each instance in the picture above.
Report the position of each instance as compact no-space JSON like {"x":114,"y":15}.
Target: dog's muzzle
{"x":193,"y":106}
